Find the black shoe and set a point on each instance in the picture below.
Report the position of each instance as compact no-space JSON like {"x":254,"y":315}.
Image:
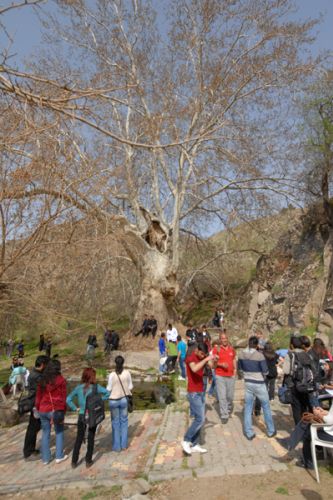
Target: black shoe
{"x":89,"y":464}
{"x":257,"y":413}
{"x":35,"y":452}
{"x":271,"y":435}
{"x":74,"y":465}
{"x":304,"y":465}
{"x":224,"y":420}
{"x":249,"y":438}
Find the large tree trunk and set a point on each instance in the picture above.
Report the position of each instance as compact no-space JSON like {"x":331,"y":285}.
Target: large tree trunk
{"x":158,"y":290}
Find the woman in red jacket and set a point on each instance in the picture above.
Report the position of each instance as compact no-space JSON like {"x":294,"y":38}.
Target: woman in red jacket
{"x":51,"y":405}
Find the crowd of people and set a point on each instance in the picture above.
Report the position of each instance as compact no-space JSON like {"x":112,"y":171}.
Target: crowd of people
{"x":307,"y":370}
{"x":47,"y":391}
{"x":209,"y":368}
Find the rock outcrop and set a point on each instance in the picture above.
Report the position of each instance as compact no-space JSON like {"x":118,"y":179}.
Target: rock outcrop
{"x":293,"y":284}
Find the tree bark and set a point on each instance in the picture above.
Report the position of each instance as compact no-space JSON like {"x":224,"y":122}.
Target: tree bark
{"x":158,"y":290}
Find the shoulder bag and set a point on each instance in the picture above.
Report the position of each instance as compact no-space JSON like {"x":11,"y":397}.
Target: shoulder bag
{"x":130,"y":405}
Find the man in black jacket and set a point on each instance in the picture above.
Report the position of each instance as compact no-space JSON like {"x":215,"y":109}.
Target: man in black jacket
{"x":29,"y":449}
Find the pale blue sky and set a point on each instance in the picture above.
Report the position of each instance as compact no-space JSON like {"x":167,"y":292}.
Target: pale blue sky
{"x":24,"y":27}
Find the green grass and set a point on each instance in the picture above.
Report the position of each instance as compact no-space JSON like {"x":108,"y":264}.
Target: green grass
{"x":281,"y":490}
{"x":280,"y":338}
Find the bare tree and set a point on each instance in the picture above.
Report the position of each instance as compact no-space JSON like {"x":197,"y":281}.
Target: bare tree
{"x":317,"y":131}
{"x":160,"y":131}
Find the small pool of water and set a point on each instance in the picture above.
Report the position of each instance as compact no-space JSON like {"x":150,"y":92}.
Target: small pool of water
{"x":146,"y":395}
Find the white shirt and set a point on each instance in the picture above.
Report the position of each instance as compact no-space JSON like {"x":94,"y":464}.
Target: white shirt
{"x":328,"y":419}
{"x":172,"y":334}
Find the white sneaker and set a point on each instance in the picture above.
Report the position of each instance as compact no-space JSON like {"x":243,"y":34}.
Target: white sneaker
{"x":199,"y":449}
{"x":59,"y":460}
{"x":181,"y":378}
{"x":187,"y":447}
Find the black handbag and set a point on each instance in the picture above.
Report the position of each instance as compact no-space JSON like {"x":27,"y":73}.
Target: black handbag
{"x":130,"y":403}
{"x":25,"y":404}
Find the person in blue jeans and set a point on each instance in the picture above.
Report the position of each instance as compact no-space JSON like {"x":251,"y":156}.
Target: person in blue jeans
{"x":195,"y":363}
{"x":252,"y":364}
{"x":119,"y":385}
{"x":51,"y":404}
{"x":181,"y":349}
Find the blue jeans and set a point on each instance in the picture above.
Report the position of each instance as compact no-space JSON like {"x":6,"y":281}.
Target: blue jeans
{"x":45,"y":420}
{"x":119,"y":422}
{"x":212,"y":389}
{"x":259,"y":391}
{"x":182,"y":367}
{"x":197,"y":411}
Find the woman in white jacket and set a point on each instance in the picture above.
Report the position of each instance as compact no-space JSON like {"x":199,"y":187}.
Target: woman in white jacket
{"x":120,"y":385}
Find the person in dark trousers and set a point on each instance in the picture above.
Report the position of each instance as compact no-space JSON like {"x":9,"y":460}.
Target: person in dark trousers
{"x":80,"y":393}
{"x":145,"y":328}
{"x":114,"y":340}
{"x":300,"y":401}
{"x":29,"y":449}
{"x":152,"y":325}
{"x":20,"y":349}
{"x":272,"y":360}
{"x":41,"y":345}
{"x":48,"y":346}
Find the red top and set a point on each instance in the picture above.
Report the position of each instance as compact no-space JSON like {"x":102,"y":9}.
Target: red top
{"x":194,"y":379}
{"x":52,"y":397}
{"x":226,"y":355}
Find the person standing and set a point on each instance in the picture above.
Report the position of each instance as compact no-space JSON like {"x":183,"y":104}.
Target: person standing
{"x":253,"y":365}
{"x":225,"y":369}
{"x":195,"y":363}
{"x":171,"y":333}
{"x":80,"y":393}
{"x":29,"y":448}
{"x":171,"y":360}
{"x":119,"y":386}
{"x":10,"y":347}
{"x":41,"y":344}
{"x":181,"y":349}
{"x":91,"y":346}
{"x":296,"y":356}
{"x":51,"y":406}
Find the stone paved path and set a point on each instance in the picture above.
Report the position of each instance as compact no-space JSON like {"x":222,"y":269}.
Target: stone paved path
{"x":154,"y":451}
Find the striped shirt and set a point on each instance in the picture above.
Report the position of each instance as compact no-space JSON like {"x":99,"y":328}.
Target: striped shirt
{"x":252,"y":364}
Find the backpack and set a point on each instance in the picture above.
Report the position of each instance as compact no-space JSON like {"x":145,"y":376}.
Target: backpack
{"x":94,"y":412}
{"x":302,"y":374}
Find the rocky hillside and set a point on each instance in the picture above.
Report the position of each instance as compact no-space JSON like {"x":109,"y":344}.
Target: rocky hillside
{"x":292,"y":288}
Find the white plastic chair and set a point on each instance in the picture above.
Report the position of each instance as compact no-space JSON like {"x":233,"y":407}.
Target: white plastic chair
{"x":315,"y":441}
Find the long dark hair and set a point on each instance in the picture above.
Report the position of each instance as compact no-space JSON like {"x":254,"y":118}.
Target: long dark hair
{"x":268,"y":351}
{"x":52,"y":370}
{"x":119,"y":364}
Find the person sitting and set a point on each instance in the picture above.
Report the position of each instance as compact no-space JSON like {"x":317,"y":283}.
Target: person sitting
{"x":152,"y":325}
{"x":144,"y":328}
{"x":80,"y":393}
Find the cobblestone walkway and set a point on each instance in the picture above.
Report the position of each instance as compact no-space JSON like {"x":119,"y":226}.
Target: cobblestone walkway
{"x":154,"y":451}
